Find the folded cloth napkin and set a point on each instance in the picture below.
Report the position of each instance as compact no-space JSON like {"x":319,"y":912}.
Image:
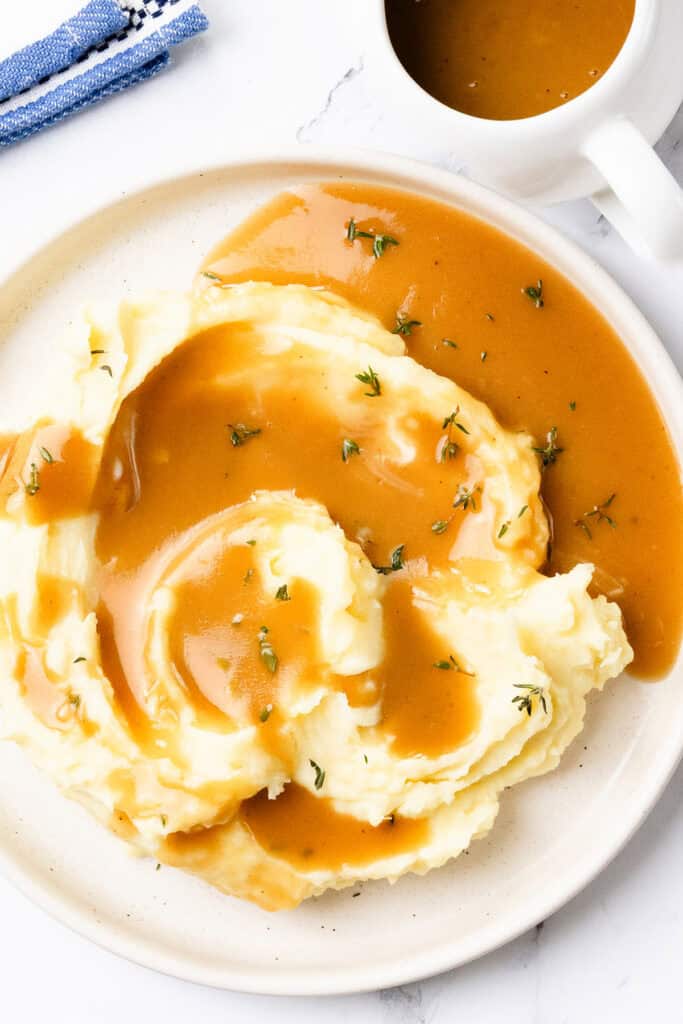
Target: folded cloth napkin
{"x":105,"y":47}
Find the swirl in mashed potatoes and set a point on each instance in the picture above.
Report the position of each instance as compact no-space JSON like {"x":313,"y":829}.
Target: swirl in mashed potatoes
{"x":270,"y":600}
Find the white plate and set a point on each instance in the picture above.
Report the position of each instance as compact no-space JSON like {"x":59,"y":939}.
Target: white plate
{"x":552,"y":835}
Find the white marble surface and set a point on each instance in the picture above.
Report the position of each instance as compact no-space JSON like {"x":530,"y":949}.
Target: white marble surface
{"x":271,"y":72}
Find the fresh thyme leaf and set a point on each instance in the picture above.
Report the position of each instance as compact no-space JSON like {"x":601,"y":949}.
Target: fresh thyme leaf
{"x":353,"y":232}
{"x":465,"y":498}
{"x":164,"y":820}
{"x":248,"y":576}
{"x":158,"y":867}
{"x":535,"y":293}
{"x":483,"y":356}
{"x":503,"y":530}
{"x":251,"y":543}
{"x":572,"y":406}
{"x":600,"y":514}
{"x":489,"y":316}
{"x":266,"y":712}
{"x":452,"y":421}
{"x":240,"y":433}
{"x":348,"y":449}
{"x":79,"y":659}
{"x":522,"y":510}
{"x":211,"y":276}
{"x":46,"y":455}
{"x":449,"y":450}
{"x":370,"y":378}
{"x":75,"y":700}
{"x":451,"y":665}
{"x":396,"y":562}
{"x":268,"y":655}
{"x":449,"y":343}
{"x":97,"y":351}
{"x":405,"y":326}
{"x":33,"y":485}
{"x":319,"y":774}
{"x":107,"y":369}
{"x":380,"y":243}
{"x":282,"y":594}
{"x":365,"y":758}
{"x":524,"y":702}
{"x":440,"y":526}
{"x":551,"y":451}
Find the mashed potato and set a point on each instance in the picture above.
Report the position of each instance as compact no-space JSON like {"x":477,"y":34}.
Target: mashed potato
{"x":269,"y":596}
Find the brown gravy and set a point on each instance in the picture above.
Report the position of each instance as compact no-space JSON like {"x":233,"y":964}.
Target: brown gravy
{"x":507,"y":59}
{"x":307,"y":832}
{"x":559,"y":365}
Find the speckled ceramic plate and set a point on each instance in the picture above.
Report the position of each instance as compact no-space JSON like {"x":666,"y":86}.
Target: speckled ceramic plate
{"x":559,"y":830}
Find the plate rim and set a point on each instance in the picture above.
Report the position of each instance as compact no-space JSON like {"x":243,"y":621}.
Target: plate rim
{"x":667,"y":387}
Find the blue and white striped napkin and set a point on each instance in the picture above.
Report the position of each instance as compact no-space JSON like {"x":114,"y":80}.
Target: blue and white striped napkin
{"x":105,"y":47}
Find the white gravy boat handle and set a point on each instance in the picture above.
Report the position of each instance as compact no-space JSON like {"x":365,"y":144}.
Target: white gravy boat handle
{"x":644,"y":202}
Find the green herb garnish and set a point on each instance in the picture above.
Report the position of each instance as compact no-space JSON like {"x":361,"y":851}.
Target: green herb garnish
{"x":449,"y":343}
{"x":370,"y":378}
{"x":396,"y":562}
{"x":319,"y":774}
{"x":597,"y":512}
{"x":348,"y":449}
{"x":465,"y":498}
{"x":240,"y":433}
{"x":504,"y":529}
{"x":483,"y":356}
{"x":551,"y":451}
{"x":282,"y":594}
{"x":266,"y":713}
{"x":572,"y":406}
{"x":46,"y":455}
{"x":440,"y":525}
{"x":80,"y":658}
{"x":379,"y":242}
{"x":107,"y":369}
{"x":535,"y":293}
{"x":211,"y":276}
{"x":524,"y":702}
{"x":405,"y":326}
{"x":523,"y":509}
{"x":451,"y":665}
{"x":33,"y":485}
{"x":268,"y":655}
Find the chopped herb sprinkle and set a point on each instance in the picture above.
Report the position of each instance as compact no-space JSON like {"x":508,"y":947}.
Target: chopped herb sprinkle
{"x":46,"y":455}
{"x":551,"y":451}
{"x":268,"y":655}
{"x":449,"y":343}
{"x":440,"y":525}
{"x":379,"y":242}
{"x":503,"y":530}
{"x":97,"y":351}
{"x":211,"y":276}
{"x":524,"y":702}
{"x":483,"y":356}
{"x":80,"y":658}
{"x":348,"y":449}
{"x":319,"y":774}
{"x":599,"y":513}
{"x":572,"y":406}
{"x":405,"y":326}
{"x":535,"y":293}
{"x":523,"y":509}
{"x":107,"y":369}
{"x":370,"y":378}
{"x":451,"y":665}
{"x":465,"y":498}
{"x":240,"y":433}
{"x":489,"y":316}
{"x":33,"y":485}
{"x":265,"y":713}
{"x":396,"y":562}
{"x":282,"y":594}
